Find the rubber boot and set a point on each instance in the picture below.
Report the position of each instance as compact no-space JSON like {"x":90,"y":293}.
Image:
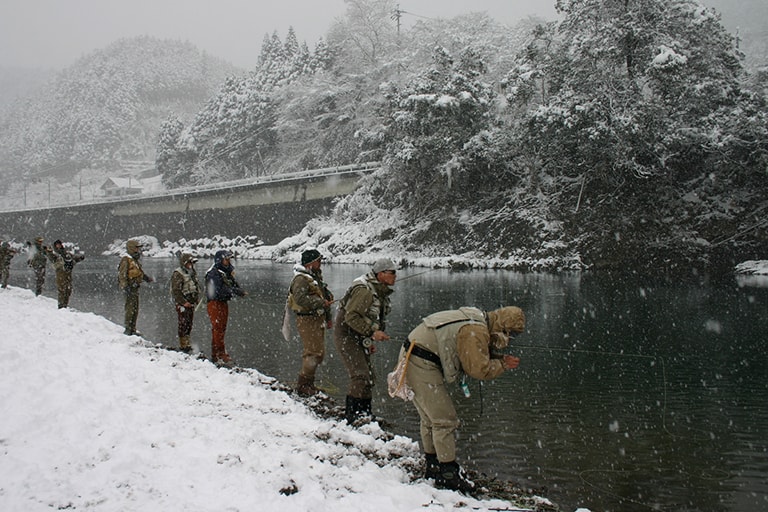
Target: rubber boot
{"x":305,"y":386}
{"x":355,"y":410}
{"x":451,"y":476}
{"x":431,"y":466}
{"x":184,"y":344}
{"x":219,"y":354}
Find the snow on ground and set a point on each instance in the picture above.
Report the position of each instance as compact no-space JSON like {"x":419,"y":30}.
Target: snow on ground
{"x":96,"y":420}
{"x":753,"y":267}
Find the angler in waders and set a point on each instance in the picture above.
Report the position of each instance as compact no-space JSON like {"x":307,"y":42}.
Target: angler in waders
{"x":63,"y":262}
{"x":37,"y":261}
{"x":446,"y":345}
{"x":6,"y":255}
{"x":310,"y":299}
{"x":130,"y":277}
{"x":185,"y":290}
{"x":360,"y":322}
{"x":220,"y":288}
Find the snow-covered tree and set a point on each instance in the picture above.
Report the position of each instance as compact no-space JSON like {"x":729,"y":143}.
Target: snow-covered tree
{"x":366,"y":35}
{"x":432,"y":117}
{"x":629,"y":88}
{"x":632,"y":103}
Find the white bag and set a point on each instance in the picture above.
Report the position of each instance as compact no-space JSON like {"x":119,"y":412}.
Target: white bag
{"x":396,"y":384}
{"x":286,"y":330}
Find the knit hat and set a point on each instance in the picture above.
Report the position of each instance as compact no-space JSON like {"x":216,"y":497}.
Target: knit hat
{"x":309,"y":256}
{"x":383,"y":264}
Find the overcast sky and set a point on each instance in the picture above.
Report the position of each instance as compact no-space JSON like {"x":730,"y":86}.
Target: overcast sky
{"x":55,"y":33}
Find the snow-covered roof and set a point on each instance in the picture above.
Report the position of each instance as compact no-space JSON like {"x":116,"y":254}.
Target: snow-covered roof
{"x":123,"y":183}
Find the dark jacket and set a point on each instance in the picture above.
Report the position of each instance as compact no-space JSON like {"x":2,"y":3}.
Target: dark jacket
{"x":63,"y":260}
{"x":220,"y":281}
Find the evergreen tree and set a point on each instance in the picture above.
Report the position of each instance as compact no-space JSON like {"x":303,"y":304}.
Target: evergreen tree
{"x":431,"y":120}
{"x":167,"y":161}
{"x":631,"y":104}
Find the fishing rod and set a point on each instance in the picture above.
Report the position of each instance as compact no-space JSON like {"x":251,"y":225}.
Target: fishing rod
{"x":409,"y":276}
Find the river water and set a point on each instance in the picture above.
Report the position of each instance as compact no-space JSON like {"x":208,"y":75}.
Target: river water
{"x":632,"y":393}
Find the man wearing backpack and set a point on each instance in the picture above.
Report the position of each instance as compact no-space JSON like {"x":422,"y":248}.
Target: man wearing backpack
{"x":444,"y":346}
{"x":360,"y":321}
{"x":130,"y":277}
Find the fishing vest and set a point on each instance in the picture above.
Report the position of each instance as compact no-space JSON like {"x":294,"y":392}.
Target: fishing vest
{"x":134,"y":275}
{"x":378,"y":309}
{"x":437,"y":333}
{"x":190,"y":288}
{"x":314,"y":289}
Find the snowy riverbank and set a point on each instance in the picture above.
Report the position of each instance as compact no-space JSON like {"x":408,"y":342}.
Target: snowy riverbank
{"x":96,"y":420}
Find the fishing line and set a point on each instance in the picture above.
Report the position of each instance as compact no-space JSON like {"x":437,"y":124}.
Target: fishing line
{"x":582,"y":474}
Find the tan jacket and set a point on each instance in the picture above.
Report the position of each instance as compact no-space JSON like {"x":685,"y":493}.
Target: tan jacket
{"x":461,"y":339}
{"x":130,"y":274}
{"x":306,"y":295}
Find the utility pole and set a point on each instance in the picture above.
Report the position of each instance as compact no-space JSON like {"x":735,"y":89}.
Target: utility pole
{"x":396,"y":16}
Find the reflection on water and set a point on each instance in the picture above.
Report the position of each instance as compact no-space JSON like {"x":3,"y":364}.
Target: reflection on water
{"x":631,"y":395}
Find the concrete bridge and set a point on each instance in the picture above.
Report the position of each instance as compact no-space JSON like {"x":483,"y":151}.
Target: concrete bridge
{"x":269,"y":207}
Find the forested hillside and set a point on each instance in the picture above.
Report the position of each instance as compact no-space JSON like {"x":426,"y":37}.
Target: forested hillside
{"x":108,"y":106}
{"x":623,"y":134}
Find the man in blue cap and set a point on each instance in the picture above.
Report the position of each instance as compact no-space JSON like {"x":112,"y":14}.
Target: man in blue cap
{"x":220,"y":287}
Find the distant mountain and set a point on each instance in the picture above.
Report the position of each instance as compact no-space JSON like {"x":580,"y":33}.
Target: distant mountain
{"x":18,"y":82}
{"x":107,"y":107}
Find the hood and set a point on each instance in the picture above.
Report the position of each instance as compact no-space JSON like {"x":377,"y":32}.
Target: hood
{"x":133,"y":246}
{"x":509,"y":319}
{"x":186,"y":258}
{"x":220,"y":256}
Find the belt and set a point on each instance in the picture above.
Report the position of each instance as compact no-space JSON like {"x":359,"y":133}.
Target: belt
{"x":423,"y":353}
{"x":313,"y":313}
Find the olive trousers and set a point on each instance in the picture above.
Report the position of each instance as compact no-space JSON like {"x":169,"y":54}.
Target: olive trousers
{"x":356,"y":359}
{"x":131,"y":309}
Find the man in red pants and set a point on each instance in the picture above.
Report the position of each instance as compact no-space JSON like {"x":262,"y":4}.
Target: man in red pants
{"x":220,"y":287}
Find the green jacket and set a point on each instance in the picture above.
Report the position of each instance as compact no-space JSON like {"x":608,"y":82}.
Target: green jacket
{"x":185,"y":286}
{"x":37,"y":257}
{"x":366,"y":305}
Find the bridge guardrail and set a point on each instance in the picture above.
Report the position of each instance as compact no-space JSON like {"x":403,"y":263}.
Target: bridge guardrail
{"x":224,"y":185}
